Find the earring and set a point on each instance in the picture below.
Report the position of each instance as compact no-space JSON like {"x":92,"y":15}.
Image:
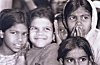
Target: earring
{"x":1,"y":34}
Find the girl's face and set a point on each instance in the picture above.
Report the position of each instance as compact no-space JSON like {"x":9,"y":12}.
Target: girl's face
{"x":15,"y":38}
{"x":58,"y":5}
{"x":76,"y":56}
{"x":62,"y":31}
{"x":41,"y":32}
{"x":79,"y":21}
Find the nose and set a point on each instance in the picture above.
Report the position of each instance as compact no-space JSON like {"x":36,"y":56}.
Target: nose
{"x":40,"y":31}
{"x":20,"y":38}
{"x":77,"y":62}
{"x":79,"y":21}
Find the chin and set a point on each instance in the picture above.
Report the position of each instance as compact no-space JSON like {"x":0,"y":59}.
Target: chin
{"x":16,"y":50}
{"x":41,"y":46}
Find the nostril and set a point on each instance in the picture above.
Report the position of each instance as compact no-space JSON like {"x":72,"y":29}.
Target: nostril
{"x":78,"y":23}
{"x":20,"y":39}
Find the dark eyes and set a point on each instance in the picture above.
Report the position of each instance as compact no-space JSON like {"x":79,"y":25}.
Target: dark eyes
{"x":13,"y":32}
{"x":82,"y":59}
{"x":85,"y":17}
{"x":61,"y":30}
{"x":70,"y":60}
{"x":37,"y":29}
{"x":25,"y":33}
{"x":47,"y":29}
{"x":74,"y":18}
{"x":33,"y":28}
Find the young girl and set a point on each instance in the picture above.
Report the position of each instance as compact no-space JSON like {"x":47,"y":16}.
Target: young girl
{"x":60,"y":31}
{"x":41,"y":28}
{"x":75,"y":51}
{"x":13,"y":33}
{"x":81,"y":19}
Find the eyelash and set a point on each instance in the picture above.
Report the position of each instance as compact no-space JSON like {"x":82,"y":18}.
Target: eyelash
{"x":13,"y":32}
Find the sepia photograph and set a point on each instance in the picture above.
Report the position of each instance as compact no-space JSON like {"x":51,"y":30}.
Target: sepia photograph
{"x":49,"y":32}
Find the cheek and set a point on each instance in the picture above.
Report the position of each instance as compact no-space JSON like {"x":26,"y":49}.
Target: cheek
{"x":71,"y":25}
{"x":49,"y":35}
{"x":85,"y":63}
{"x":31,"y":35}
{"x":87,"y":27}
{"x":10,"y":38}
{"x":25,"y":39}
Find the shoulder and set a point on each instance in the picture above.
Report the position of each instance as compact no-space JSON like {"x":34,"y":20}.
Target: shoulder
{"x":54,"y":45}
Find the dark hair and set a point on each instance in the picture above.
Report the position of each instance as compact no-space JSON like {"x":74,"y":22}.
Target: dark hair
{"x":75,"y":42}
{"x":59,"y":16}
{"x":10,"y":17}
{"x":73,"y":5}
{"x":41,"y":12}
{"x":42,"y":3}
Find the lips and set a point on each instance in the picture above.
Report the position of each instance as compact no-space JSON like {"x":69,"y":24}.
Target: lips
{"x":18,"y":46}
{"x":40,"y":38}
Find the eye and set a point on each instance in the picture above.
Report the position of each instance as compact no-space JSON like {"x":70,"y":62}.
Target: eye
{"x":72,"y":18}
{"x":47,"y":29}
{"x":64,"y":2}
{"x":83,"y":59}
{"x":13,"y":32}
{"x":85,"y":17}
{"x":61,"y":30}
{"x":25,"y":34}
{"x":69,"y":60}
{"x":33,"y":28}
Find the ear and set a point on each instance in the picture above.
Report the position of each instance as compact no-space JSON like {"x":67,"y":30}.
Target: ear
{"x":61,"y":61}
{"x":1,"y":34}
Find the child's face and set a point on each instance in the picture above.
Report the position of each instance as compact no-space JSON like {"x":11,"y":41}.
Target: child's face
{"x":15,"y":37}
{"x":58,"y":5}
{"x":76,"y":56}
{"x":79,"y":22}
{"x":62,"y":31}
{"x":41,"y":32}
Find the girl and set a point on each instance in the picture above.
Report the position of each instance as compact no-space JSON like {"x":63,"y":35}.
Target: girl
{"x":60,"y":30}
{"x":41,"y":28}
{"x":75,"y":51}
{"x":13,"y":33}
{"x":81,"y":19}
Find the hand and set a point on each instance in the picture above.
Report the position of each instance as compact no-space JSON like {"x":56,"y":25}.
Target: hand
{"x":77,"y":31}
{"x":56,"y":32}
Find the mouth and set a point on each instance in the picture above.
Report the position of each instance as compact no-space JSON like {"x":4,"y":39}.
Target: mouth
{"x":18,"y":46}
{"x":40,"y":38}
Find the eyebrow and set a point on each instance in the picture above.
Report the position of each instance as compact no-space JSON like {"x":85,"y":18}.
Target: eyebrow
{"x":45,"y":26}
{"x":83,"y":56}
{"x":18,"y":31}
{"x":68,"y":58}
{"x":72,"y":57}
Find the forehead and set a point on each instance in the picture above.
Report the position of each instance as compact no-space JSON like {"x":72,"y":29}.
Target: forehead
{"x":19,"y":27}
{"x":41,"y":22}
{"x":80,"y":10}
{"x":76,"y":53}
